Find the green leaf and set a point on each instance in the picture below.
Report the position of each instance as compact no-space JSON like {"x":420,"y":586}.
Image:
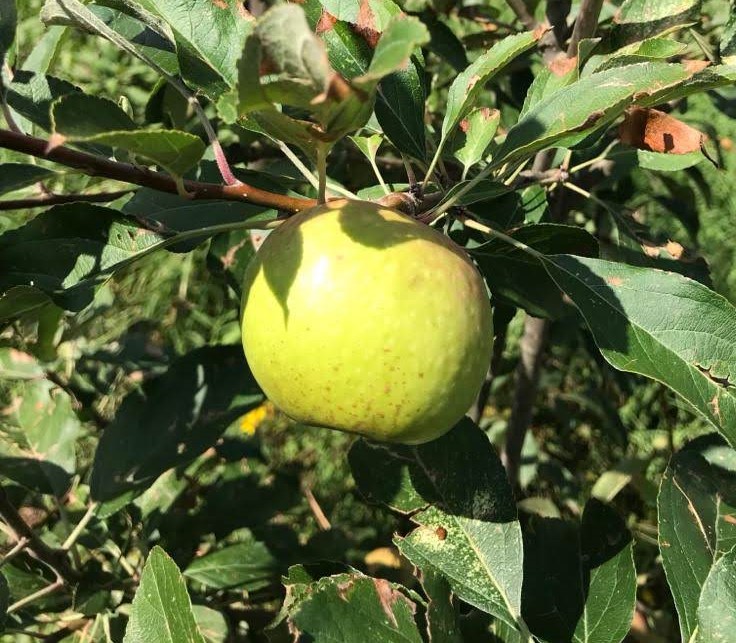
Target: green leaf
{"x":161,"y":609}
{"x":15,"y":364}
{"x":172,"y":419}
{"x":400,"y":101}
{"x":211,"y":624}
{"x":31,"y":96}
{"x":661,"y":325}
{"x":394,"y":49}
{"x":485,"y":190}
{"x":229,"y":255}
{"x":248,"y":565}
{"x":467,"y":87}
{"x":400,"y":109}
{"x":148,"y":41}
{"x":45,"y":51}
{"x":68,"y":249}
{"x":14,"y":176}
{"x":80,"y":116}
{"x":442,"y":613}
{"x":209,"y":33}
{"x":580,"y":581}
{"x":19,"y":301}
{"x":37,"y":438}
{"x":717,"y":609}
{"x":727,"y":48}
{"x":588,"y":105}
{"x":106,"y":123}
{"x":298,"y":67}
{"x":641,"y":19}
{"x":4,"y":600}
{"x":696,"y":498}
{"x":515,"y":277}
{"x":8,"y":24}
{"x":444,"y":42}
{"x":467,"y":524}
{"x":352,"y":608}
{"x":477,"y":132}
{"x":660,"y":162}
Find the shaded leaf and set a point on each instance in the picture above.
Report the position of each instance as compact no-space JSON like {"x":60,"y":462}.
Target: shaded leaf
{"x":727,"y":48}
{"x":161,"y":609}
{"x":8,"y":23}
{"x":484,"y":190}
{"x":579,"y":582}
{"x":31,"y":96}
{"x":246,"y":564}
{"x":229,"y":255}
{"x":14,"y":176}
{"x":661,"y":325}
{"x":514,"y":276}
{"x":172,"y":419}
{"x":68,"y":249}
{"x":442,"y":614}
{"x":37,"y":438}
{"x":697,"y":497}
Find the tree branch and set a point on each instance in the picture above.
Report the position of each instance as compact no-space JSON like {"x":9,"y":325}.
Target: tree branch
{"x":99,"y":166}
{"x":57,"y":199}
{"x":522,"y":13}
{"x":532,"y":347}
{"x":585,"y":24}
{"x":54,"y":558}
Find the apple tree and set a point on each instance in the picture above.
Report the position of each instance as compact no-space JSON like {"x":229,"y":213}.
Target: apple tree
{"x":492,"y":239}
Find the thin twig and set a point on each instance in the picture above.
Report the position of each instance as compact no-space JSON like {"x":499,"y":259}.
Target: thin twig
{"x":322,"y":522}
{"x":57,"y":199}
{"x":94,"y":165}
{"x":76,"y":532}
{"x":15,"y":550}
{"x":49,"y":589}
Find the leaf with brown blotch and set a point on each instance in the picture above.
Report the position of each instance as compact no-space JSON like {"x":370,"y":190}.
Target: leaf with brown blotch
{"x":656,"y":131}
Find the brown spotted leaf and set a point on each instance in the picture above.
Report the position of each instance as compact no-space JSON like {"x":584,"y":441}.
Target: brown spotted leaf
{"x":661,"y":325}
{"x":353,"y":608}
{"x":465,"y":514}
{"x":657,"y":131}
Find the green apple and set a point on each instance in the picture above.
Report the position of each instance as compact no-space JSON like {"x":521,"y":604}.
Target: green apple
{"x":358,"y":318}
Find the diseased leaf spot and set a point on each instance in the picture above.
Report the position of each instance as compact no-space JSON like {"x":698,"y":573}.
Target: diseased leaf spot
{"x":614,"y":281}
{"x":326,"y":22}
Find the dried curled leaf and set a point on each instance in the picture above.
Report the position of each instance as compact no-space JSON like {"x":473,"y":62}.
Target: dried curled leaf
{"x":656,"y":131}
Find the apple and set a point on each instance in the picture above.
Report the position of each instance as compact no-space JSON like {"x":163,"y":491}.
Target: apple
{"x":359,"y":318}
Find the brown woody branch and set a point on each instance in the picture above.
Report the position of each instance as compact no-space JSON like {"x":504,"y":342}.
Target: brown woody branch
{"x":534,"y":340}
{"x":58,"y":199}
{"x":56,"y":559}
{"x":93,"y":165}
{"x":522,"y":13}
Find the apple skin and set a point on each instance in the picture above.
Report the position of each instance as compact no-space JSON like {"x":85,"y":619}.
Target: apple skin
{"x":358,"y":318}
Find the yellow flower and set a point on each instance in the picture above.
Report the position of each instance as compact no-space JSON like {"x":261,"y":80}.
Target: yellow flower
{"x":252,"y":419}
